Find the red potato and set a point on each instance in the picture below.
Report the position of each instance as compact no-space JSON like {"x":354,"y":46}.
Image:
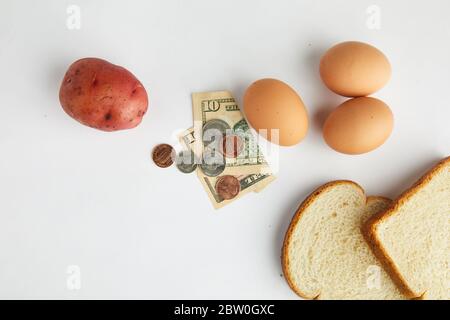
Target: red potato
{"x":102,"y":95}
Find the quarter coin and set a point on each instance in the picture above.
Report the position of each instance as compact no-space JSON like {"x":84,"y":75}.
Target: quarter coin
{"x":163,"y":155}
{"x":186,"y":161}
{"x":213,"y":163}
{"x":213,"y":130}
{"x":212,"y":170}
{"x":228,"y":187}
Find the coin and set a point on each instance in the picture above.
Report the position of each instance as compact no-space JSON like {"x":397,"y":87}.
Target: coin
{"x":217,"y":124}
{"x":213,"y":163}
{"x":228,"y":187}
{"x":231,"y":146}
{"x":186,"y":161}
{"x":212,"y":130}
{"x":162,"y":155}
{"x":212,"y":170}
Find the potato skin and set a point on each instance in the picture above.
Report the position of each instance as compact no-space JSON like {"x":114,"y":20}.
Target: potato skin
{"x":102,"y":95}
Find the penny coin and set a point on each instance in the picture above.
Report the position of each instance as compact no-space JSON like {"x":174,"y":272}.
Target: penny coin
{"x":212,"y":130}
{"x":186,"y":161}
{"x":228,"y":187}
{"x":231,"y":146}
{"x":163,"y":155}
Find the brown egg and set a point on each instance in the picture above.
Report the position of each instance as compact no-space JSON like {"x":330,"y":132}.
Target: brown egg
{"x":272,"y":104}
{"x":358,"y":125}
{"x":354,"y":69}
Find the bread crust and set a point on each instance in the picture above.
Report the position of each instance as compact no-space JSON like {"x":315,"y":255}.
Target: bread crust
{"x":295,"y":220}
{"x":370,"y":230}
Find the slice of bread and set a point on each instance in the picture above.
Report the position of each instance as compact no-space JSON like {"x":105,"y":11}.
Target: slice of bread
{"x":412,"y":238}
{"x":325,"y":255}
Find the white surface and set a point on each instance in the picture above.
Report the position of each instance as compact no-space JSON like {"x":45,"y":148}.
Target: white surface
{"x":71,"y":195}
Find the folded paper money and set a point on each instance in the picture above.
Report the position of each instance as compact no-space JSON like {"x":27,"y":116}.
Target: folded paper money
{"x":217,"y":112}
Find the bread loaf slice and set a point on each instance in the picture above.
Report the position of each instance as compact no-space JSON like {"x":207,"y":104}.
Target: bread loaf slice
{"x":325,"y":255}
{"x":413,"y":236}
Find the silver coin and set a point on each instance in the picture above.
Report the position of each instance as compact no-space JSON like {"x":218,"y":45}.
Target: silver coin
{"x":213,"y":163}
{"x":217,"y":124}
{"x":212,"y":170}
{"x":212,"y":131}
{"x":186,"y":161}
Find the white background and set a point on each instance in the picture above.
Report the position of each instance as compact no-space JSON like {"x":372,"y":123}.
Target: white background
{"x":71,"y":195}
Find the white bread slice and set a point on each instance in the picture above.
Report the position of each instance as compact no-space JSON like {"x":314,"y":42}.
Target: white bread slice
{"x":412,"y":238}
{"x":325,"y":255}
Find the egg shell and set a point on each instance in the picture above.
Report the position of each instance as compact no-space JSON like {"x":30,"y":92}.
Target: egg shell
{"x":354,"y":69}
{"x":358,"y":125}
{"x":272,"y":104}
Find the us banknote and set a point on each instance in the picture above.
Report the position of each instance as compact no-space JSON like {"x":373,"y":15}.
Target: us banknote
{"x":253,"y":182}
{"x":218,"y":112}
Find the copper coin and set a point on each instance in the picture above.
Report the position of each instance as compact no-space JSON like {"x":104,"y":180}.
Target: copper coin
{"x":228,"y":187}
{"x":163,"y":155}
{"x":231,"y":146}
